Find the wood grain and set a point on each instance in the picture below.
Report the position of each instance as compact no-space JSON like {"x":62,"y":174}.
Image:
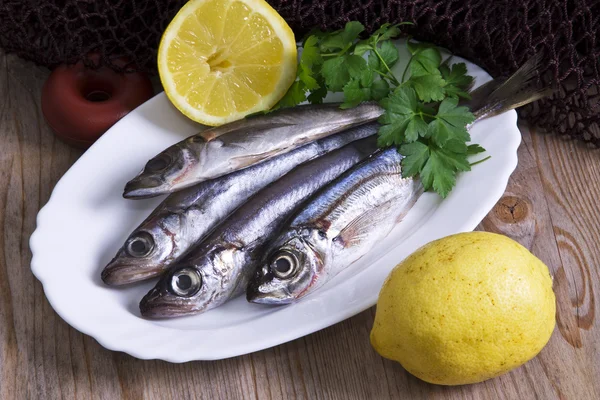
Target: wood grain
{"x":550,"y":206}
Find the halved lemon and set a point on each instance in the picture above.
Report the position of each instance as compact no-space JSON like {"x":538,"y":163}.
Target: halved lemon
{"x":220,"y":60}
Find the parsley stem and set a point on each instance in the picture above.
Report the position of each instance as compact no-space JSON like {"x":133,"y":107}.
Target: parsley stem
{"x":447,"y":60}
{"x":339,"y":53}
{"x":392,"y":77}
{"x":480,"y":161}
{"x":406,"y":69}
{"x":387,"y":76}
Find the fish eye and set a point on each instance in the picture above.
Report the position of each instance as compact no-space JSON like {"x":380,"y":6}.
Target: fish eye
{"x":284,"y":265}
{"x":186,"y":282}
{"x":158,"y":163}
{"x":140,"y":245}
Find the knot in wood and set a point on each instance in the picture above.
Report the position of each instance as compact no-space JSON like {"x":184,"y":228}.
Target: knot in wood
{"x":511,"y":209}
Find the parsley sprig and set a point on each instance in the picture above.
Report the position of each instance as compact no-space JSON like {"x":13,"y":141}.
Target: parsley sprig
{"x":422,"y":118}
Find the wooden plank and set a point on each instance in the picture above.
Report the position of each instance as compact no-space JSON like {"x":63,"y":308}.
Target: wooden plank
{"x":550,"y":206}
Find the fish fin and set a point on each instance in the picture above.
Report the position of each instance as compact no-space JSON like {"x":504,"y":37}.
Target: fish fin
{"x":209,"y":134}
{"x":359,"y":228}
{"x":519,"y":89}
{"x":240,"y":128}
{"x":252,"y":159}
{"x":393,"y":211}
{"x":480,"y":95}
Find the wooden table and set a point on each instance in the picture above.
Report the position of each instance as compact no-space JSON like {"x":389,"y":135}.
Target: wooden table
{"x":551,"y":206}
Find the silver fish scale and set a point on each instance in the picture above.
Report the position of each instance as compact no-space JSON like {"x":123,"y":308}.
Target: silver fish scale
{"x":240,"y":148}
{"x":260,"y":216}
{"x":370,"y":184}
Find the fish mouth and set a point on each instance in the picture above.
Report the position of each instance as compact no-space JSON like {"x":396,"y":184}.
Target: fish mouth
{"x":143,"y":187}
{"x":277,"y":297}
{"x":118,"y":275}
{"x":155,"y":305}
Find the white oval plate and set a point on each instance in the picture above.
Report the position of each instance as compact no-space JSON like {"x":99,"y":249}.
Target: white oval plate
{"x":86,"y":220}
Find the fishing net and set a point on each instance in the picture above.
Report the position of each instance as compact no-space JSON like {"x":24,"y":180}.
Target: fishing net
{"x":499,"y":35}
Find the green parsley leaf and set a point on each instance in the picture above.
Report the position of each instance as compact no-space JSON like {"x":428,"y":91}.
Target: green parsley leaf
{"x":366,"y":78}
{"x":355,"y":65}
{"x":352,"y":30}
{"x":363,"y":89}
{"x":414,"y":47}
{"x":379,"y":89}
{"x":415,"y":155}
{"x":456,"y":146}
{"x":429,"y":87}
{"x":458,"y":161}
{"x":310,"y":52}
{"x":392,"y":133}
{"x":373,"y":61}
{"x":342,"y":39}
{"x":294,"y":96}
{"x":425,"y":60}
{"x":474,"y":149}
{"x":416,"y":128}
{"x":354,"y":94}
{"x":437,"y":167}
{"x":389,"y":53}
{"x":362,"y":47}
{"x":306,"y":77}
{"x":317,"y":96}
{"x":403,"y":101}
{"x":388,"y":31}
{"x":316,"y":32}
{"x":335,"y":73}
{"x":401,"y":110}
{"x":454,"y":115}
{"x":439,"y":132}
{"x":338,"y":71}
{"x":307,"y":73}
{"x":450,"y":123}
{"x":436,"y":174}
{"x":457,"y":80}
{"x":334,"y":41}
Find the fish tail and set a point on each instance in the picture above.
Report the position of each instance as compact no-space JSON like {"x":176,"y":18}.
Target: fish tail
{"x":501,"y":95}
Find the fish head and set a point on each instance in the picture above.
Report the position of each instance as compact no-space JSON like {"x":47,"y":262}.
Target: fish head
{"x":291,"y":269}
{"x":164,"y":172}
{"x":143,"y":256}
{"x":191,"y":288}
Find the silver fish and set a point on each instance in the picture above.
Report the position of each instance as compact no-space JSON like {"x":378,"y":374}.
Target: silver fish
{"x":219,"y":267}
{"x":231,"y":147}
{"x":334,"y":229}
{"x":185,"y":217}
{"x":360,"y":208}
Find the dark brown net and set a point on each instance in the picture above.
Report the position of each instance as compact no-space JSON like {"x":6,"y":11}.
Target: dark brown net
{"x":498,"y":35}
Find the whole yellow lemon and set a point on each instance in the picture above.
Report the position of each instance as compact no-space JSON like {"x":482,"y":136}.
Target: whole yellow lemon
{"x":464,"y":309}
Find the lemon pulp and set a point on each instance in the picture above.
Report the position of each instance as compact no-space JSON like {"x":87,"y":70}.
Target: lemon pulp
{"x":220,"y":60}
